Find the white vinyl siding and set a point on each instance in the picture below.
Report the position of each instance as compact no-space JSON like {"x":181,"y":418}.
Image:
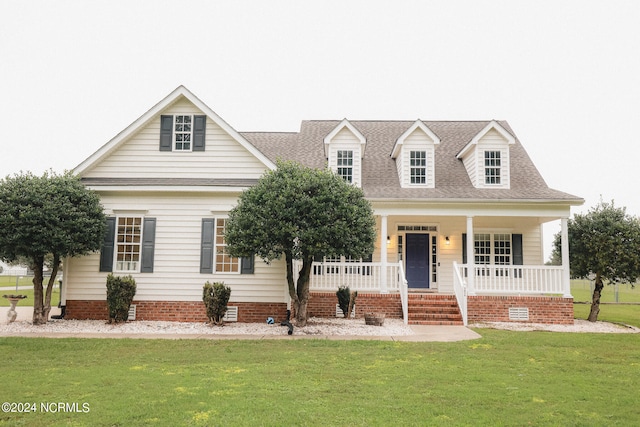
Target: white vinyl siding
{"x":139,"y":157}
{"x":176,"y":274}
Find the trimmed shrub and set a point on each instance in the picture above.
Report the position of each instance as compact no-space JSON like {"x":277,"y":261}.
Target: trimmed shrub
{"x":216,"y":297}
{"x":346,"y":300}
{"x":120,"y":293}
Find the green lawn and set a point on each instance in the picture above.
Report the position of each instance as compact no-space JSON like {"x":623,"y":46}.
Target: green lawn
{"x":10,"y":281}
{"x":582,"y":292}
{"x":505,"y":378}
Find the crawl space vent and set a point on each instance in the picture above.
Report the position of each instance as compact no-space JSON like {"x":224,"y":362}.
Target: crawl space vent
{"x":518,"y":313}
{"x":132,"y":312}
{"x":231,"y":315}
{"x":339,"y":312}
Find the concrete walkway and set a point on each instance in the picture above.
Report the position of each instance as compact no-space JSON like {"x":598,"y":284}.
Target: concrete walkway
{"x":422,"y":333}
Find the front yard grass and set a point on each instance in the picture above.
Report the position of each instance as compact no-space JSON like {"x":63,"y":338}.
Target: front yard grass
{"x":505,"y":378}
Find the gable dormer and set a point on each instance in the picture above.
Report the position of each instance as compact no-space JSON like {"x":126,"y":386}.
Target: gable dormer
{"x":486,"y":157}
{"x":344,"y":149}
{"x":414,"y":153}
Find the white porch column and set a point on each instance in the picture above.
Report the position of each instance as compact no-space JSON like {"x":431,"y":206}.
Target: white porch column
{"x":383,"y":254}
{"x":471,"y":258}
{"x":566,"y":276}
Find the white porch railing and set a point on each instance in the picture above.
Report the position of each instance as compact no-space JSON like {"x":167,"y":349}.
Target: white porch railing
{"x":460,"y":289}
{"x":515,"y":279}
{"x":358,"y":276}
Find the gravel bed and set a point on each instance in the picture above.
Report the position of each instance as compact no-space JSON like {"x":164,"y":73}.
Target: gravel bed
{"x":315,"y":326}
{"x":578,"y":326}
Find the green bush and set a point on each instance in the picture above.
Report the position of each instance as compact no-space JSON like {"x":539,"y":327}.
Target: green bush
{"x":346,"y":300}
{"x":120,"y":293}
{"x":215,"y":297}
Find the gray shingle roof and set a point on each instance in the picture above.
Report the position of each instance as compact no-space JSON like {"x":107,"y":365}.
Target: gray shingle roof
{"x":379,"y":173}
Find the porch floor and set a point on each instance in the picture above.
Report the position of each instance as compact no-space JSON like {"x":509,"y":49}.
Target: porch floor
{"x":428,"y":308}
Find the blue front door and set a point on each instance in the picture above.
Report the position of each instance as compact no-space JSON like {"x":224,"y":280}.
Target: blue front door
{"x":417,"y":260}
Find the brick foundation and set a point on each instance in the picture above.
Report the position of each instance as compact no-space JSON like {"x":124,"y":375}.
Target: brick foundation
{"x":323,"y":304}
{"x":175,"y":311}
{"x":552,"y":310}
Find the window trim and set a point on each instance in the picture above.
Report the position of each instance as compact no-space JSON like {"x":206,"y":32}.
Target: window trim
{"x":492,"y":171}
{"x":174,"y":134}
{"x":415,"y":167}
{"x":345,"y":156}
{"x":217,"y":245}
{"x":115,"y":268}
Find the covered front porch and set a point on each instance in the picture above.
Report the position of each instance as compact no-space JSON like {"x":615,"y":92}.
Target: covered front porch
{"x":457,"y":257}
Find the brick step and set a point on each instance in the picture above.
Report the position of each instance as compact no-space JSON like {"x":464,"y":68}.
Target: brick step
{"x":436,"y":322}
{"x":435,"y":316}
{"x":432,"y":304}
{"x":433,"y":309}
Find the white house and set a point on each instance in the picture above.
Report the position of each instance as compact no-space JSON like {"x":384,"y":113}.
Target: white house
{"x":459,"y":207}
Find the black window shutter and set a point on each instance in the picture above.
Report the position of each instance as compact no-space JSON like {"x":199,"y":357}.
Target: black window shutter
{"x":106,"y":252}
{"x":148,"y":245}
{"x":246,"y":265}
{"x":516,"y":242}
{"x":166,"y":133}
{"x":199,"y":128}
{"x":464,"y":248}
{"x":206,"y":247}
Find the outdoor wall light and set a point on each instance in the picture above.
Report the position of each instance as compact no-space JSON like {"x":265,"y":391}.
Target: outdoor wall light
{"x":447,"y":241}
{"x":388,"y":240}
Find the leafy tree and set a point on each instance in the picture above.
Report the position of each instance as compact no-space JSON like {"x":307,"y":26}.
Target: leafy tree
{"x":302,"y":213}
{"x":605,"y":243}
{"x":556,"y":254}
{"x":47,"y":216}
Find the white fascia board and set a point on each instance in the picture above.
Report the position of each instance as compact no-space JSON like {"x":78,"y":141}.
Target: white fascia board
{"x":344,"y":123}
{"x":163,"y":189}
{"x":492,"y":125}
{"x":418,"y":124}
{"x":114,"y":143}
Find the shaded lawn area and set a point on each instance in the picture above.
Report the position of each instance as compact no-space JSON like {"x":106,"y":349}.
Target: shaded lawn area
{"x":505,"y":378}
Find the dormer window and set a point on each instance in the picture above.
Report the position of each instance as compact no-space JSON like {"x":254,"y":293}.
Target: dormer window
{"x":345,"y":165}
{"x":344,"y":149}
{"x":492,"y":167}
{"x":414,"y":153}
{"x":418,"y":162}
{"x":486,"y":157}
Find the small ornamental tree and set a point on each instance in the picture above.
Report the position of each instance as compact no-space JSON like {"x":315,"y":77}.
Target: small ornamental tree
{"x":45,"y":216}
{"x":301,"y":213}
{"x":605,"y":243}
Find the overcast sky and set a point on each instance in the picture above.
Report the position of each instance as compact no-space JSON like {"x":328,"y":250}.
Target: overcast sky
{"x":564,"y":74}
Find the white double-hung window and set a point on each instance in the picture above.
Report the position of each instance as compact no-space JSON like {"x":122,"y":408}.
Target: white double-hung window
{"x":492,"y":168}
{"x":418,"y":164}
{"x":345,"y":164}
{"x":128,"y":243}
{"x":182,"y":132}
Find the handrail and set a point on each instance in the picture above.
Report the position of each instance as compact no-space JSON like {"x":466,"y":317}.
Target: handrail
{"x":404,"y":293}
{"x":460,"y":290}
